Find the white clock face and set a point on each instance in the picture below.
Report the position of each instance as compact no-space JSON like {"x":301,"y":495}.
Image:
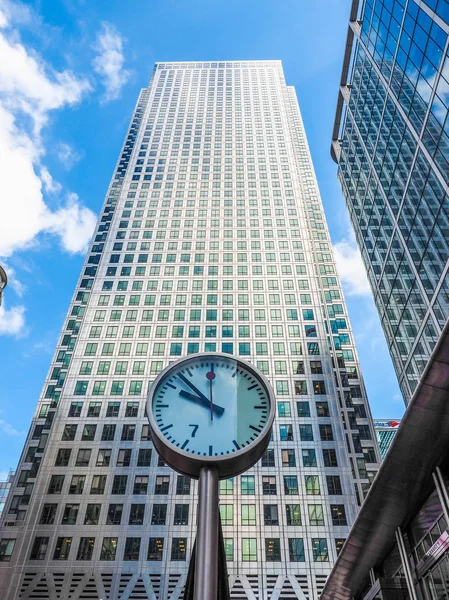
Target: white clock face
{"x":211,"y":406}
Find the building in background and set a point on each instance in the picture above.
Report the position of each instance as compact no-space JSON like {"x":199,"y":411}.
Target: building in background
{"x":391,"y":143}
{"x":212,"y":237}
{"x":5,"y":486}
{"x":385,"y":432}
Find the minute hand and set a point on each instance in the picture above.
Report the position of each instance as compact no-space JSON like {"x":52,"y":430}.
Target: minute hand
{"x":195,"y":389}
{"x":204,"y":402}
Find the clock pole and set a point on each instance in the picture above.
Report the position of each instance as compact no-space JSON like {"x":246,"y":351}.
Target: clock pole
{"x":206,"y":565}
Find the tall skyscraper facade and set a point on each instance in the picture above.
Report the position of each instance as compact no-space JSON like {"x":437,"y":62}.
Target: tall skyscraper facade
{"x":212,"y":237}
{"x":392,"y":149}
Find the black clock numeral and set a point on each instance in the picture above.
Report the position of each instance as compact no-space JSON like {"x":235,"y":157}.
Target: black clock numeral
{"x":261,"y":406}
{"x":184,"y":444}
{"x":251,"y":387}
{"x":167,"y":427}
{"x":195,"y":429}
{"x":236,"y":445}
{"x":210,"y":450}
{"x":172,"y":386}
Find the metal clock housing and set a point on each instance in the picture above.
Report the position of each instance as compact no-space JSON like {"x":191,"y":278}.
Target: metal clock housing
{"x":210,"y":409}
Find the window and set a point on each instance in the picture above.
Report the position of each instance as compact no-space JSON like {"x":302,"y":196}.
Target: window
{"x":39,"y":549}
{"x":229,"y":548}
{"x":288,"y":458}
{"x":56,"y":483}
{"x":162,"y":485}
{"x":330,"y":457}
{"x":272,"y":549}
{"x":338,"y":514}
{"x":296,"y":549}
{"x":85,"y":548}
{"x":326,"y":433}
{"x":339,"y":542}
{"x":77,"y":484}
{"x":269,"y":486}
{"x":316,"y":515}
{"x":227,"y":514}
{"x":312,"y":485}
{"x":270,"y":514}
{"x":119,"y":484}
{"x":132,"y":549}
{"x":268,"y":458}
{"x":178,"y":548}
{"x":322,"y":409}
{"x":301,"y":388}
{"x":319,"y":550}
{"x":159,"y":514}
{"x":70,"y":514}
{"x":155,"y":549}
{"x":6,"y":549}
{"x":183,"y":485}
{"x":75,"y":409}
{"x":103,"y":457}
{"x":108,"y":548}
{"x":113,"y":409}
{"x":226,"y":487}
{"x":286,"y":433}
{"x":98,"y":484}
{"x":88,"y":433}
{"x":108,"y":433}
{"x":63,"y":457}
{"x":247,"y":485}
{"x":306,"y":433}
{"x":124,"y":457}
{"x":308,"y":457}
{"x":114,"y":516}
{"x":140,"y":485}
{"x":249,"y":549}
{"x":136,"y":514}
{"x":293,"y":514}
{"x":92,"y":516}
{"x":291,"y":485}
{"x":181,"y":514}
{"x":248,"y":514}
{"x":128,"y":433}
{"x":62,"y":548}
{"x":48,"y":514}
{"x":69,"y":432}
{"x":144,"y":457}
{"x":303,"y":409}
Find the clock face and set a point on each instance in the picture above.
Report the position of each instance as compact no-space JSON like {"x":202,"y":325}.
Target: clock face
{"x":210,"y":405}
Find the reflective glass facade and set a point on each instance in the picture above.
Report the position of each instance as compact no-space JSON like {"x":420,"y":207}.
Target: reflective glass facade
{"x":212,"y":237}
{"x":392,"y":149}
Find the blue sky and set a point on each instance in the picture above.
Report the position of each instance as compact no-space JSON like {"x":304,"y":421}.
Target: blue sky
{"x":70,"y":74}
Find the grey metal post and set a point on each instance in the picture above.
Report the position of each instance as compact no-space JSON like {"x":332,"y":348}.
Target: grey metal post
{"x":206,"y":564}
{"x":405,"y":564}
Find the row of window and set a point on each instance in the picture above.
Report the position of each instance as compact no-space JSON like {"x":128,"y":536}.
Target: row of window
{"x":114,"y":515}
{"x":117,"y":387}
{"x":178,"y":549}
{"x":162,"y":485}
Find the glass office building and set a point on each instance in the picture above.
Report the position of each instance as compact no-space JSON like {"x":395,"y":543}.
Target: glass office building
{"x":385,"y":430}
{"x":391,"y":142}
{"x":212,"y":237}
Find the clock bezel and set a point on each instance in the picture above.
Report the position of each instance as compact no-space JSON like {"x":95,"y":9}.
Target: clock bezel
{"x":228,"y":465}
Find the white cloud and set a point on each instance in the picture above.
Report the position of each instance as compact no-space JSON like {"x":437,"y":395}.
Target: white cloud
{"x":29,"y":91}
{"x":67,"y":155}
{"x":351,"y":268}
{"x":8,"y":429}
{"x":12,"y":321}
{"x":13,"y":283}
{"x":110,"y":60}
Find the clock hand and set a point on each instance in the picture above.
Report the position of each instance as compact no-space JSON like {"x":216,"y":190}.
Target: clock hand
{"x":203,"y":401}
{"x":211,"y":376}
{"x":192,"y":387}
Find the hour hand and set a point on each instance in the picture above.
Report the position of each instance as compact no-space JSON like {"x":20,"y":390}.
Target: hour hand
{"x":217,"y":409}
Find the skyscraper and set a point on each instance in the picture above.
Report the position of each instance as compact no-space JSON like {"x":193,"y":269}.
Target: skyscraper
{"x":391,"y":142}
{"x":212,"y":237}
